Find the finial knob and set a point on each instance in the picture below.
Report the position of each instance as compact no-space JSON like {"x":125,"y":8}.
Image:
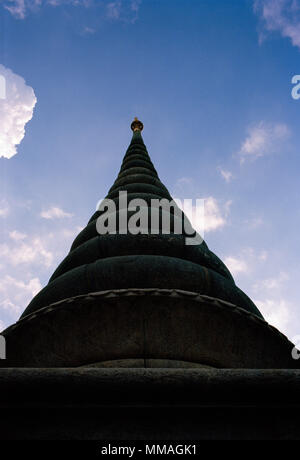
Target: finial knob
{"x":137,"y":125}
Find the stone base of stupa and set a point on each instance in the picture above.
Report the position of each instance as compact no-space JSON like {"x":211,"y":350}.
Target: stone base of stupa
{"x":148,"y":404}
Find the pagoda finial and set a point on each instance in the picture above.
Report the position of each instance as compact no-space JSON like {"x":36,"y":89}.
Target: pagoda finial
{"x":136,"y":125}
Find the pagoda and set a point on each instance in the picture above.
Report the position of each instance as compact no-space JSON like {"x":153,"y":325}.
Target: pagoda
{"x":143,"y":320}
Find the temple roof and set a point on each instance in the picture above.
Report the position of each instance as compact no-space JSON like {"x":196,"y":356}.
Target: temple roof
{"x":99,"y":262}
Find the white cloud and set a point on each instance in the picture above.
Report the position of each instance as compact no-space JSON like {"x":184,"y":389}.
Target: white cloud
{"x":16,"y":294}
{"x":55,"y":213}
{"x":4,"y":211}
{"x":214,"y":216}
{"x":254,"y":223}
{"x":268,"y":293}
{"x":271,"y":294}
{"x":263,"y":255}
{"x":28,"y":261}
{"x":34,"y":251}
{"x":246,"y":261}
{"x":275,"y":311}
{"x":272,"y":284}
{"x":88,"y":31}
{"x":16,"y":7}
{"x":2,"y":325}
{"x":227,"y":175}
{"x":235,"y":265}
{"x":227,"y":207}
{"x":113,"y":9}
{"x":124,"y":10}
{"x":263,"y":138}
{"x":20,"y":8}
{"x":17,"y":236}
{"x":15,"y":111}
{"x":183,"y":181}
{"x":71,"y":233}
{"x":281,"y":16}
{"x":184,"y":186}
{"x":135,"y":4}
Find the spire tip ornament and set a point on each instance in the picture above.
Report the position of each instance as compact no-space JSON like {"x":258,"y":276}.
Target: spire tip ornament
{"x":137,"y":125}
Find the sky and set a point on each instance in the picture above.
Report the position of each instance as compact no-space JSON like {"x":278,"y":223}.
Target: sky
{"x":212,"y":82}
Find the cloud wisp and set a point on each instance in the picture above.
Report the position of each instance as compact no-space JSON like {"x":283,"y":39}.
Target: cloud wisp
{"x":271,"y":301}
{"x":118,"y":10}
{"x":16,"y":109}
{"x":236,"y":265}
{"x":20,"y":8}
{"x":245,"y":261}
{"x":126,"y":11}
{"x":281,"y":16}
{"x":275,"y":311}
{"x":27,"y":262}
{"x":14,"y":294}
{"x":269,"y":294}
{"x":262,"y":139}
{"x":25,"y":252}
{"x":55,"y":213}
{"x":215,"y":215}
{"x":227,"y":175}
{"x":4,"y":209}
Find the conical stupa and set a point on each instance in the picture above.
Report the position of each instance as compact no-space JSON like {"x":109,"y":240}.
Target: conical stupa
{"x":143,"y":300}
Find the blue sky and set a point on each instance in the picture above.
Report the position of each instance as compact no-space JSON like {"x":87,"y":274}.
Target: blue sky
{"x":211,"y":81}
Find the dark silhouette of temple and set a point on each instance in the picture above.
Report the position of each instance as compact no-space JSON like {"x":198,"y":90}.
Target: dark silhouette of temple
{"x":145,"y":331}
